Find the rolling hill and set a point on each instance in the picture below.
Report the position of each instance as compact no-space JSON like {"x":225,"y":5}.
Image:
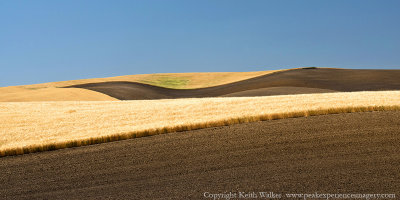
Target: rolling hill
{"x":56,"y":91}
{"x":295,"y":81}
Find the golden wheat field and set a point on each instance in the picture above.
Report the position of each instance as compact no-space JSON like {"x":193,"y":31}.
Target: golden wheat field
{"x":51,"y":94}
{"x":62,"y":124}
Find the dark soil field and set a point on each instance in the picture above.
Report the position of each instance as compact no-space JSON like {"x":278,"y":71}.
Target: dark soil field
{"x":341,"y":153}
{"x":297,"y":81}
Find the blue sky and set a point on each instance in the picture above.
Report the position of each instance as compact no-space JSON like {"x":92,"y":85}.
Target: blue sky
{"x":43,"y":41}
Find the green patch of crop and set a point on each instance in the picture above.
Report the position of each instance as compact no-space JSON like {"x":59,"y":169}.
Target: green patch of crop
{"x":167,"y":82}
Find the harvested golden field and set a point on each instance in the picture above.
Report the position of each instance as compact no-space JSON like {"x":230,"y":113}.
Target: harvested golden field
{"x":37,"y":126}
{"x":52,"y":94}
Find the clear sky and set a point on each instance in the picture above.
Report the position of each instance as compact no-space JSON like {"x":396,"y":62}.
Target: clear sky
{"x":43,"y":41}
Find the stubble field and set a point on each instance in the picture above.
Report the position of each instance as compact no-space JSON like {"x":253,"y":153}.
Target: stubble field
{"x":37,"y":126}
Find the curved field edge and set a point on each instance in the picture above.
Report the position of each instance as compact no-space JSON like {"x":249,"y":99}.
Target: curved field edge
{"x":181,"y":128}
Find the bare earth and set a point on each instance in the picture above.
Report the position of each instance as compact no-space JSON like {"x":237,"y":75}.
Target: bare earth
{"x":343,"y":153}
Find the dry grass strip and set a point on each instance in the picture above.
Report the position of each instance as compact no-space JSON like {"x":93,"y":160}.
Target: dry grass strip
{"x":98,"y":123}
